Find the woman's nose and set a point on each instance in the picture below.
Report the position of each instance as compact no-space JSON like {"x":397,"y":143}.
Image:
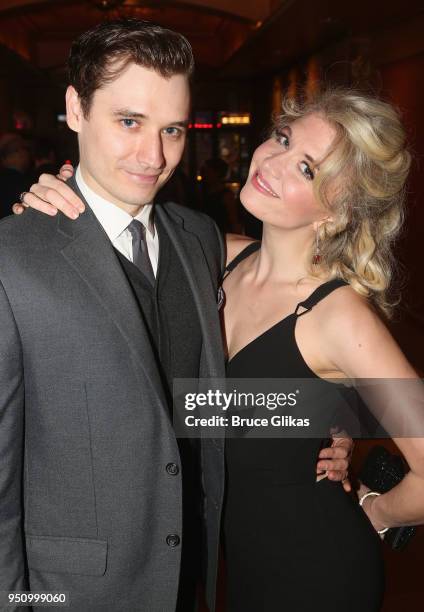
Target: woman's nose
{"x":274,"y":162}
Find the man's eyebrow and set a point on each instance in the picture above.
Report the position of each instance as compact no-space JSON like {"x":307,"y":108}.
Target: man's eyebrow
{"x":126,"y":112}
{"x":183,"y":124}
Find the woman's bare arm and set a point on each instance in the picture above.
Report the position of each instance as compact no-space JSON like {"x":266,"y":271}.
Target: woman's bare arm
{"x":357,"y":343}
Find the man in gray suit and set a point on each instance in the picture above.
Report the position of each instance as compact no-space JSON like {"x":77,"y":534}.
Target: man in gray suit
{"x":94,"y":326}
{"x":97,"y":497}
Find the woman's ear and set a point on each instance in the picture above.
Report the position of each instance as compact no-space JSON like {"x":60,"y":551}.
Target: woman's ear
{"x":317,"y":224}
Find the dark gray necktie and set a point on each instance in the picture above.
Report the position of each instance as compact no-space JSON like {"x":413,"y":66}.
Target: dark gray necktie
{"x":141,"y":257}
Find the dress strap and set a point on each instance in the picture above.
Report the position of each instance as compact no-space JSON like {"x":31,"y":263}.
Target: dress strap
{"x":251,"y":248}
{"x":319,"y":294}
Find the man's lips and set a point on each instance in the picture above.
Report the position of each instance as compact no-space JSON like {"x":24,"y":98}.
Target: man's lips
{"x":146,"y":179}
{"x":262,"y":185}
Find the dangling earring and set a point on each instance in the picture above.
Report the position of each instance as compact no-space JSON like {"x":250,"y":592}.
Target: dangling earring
{"x":316,"y":259}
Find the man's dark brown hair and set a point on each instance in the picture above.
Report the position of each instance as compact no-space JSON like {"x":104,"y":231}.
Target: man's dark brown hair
{"x":101,"y":54}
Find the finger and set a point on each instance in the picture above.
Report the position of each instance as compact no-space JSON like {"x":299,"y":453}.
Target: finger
{"x":335,"y":465}
{"x":33,"y":201}
{"x":18,"y":209}
{"x":337,"y":475}
{"x":347,"y":485}
{"x":48,"y":200}
{"x":65,"y":172}
{"x":57,"y":199}
{"x":342,"y":443}
{"x":51,"y":182}
{"x":342,"y":438}
{"x":336,"y":452}
{"x":336,"y":431}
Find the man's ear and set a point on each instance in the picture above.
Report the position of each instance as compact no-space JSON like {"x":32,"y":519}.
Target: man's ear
{"x":74,"y":114}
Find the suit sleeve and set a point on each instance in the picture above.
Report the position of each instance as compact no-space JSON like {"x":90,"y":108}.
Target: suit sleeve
{"x":222,"y":249}
{"x":12,"y":556}
{"x":220,"y":243}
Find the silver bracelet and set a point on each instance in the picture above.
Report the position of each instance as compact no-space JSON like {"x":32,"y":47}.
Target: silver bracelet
{"x":361,"y":502}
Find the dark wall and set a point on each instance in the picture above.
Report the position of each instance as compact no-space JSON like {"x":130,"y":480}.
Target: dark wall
{"x":402,"y":82}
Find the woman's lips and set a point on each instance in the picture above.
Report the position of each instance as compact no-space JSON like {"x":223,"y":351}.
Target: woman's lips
{"x":261,"y":185}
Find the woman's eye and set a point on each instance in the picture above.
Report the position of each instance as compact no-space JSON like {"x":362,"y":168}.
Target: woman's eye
{"x":282,"y":138}
{"x":128,"y":123}
{"x":306,"y":171}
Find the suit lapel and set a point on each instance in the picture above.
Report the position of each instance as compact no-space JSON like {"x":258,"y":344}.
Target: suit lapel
{"x":90,"y":252}
{"x":192,"y":257}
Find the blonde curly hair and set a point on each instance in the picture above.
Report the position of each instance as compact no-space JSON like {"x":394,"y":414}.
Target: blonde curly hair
{"x":362,"y":184}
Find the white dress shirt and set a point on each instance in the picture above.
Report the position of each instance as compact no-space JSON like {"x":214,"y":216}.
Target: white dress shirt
{"x":115,"y":222}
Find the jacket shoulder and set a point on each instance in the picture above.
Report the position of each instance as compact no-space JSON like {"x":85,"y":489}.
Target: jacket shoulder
{"x":29,"y":228}
{"x":203,"y":227}
{"x":193,"y":217}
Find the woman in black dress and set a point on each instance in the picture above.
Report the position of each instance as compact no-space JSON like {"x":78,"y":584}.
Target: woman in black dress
{"x":303,"y":303}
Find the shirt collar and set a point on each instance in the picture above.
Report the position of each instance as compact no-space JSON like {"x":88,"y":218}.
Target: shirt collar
{"x":113,"y":219}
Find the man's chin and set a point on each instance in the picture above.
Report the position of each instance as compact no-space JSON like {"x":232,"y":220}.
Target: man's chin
{"x":136,"y":198}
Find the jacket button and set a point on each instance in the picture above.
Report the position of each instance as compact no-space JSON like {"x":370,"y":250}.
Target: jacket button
{"x":172,"y":469}
{"x":172,"y":540}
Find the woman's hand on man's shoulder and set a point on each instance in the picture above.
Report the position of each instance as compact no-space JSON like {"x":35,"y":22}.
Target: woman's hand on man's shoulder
{"x":51,"y":194}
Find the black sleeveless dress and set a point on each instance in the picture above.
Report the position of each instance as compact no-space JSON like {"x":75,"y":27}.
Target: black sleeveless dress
{"x":292,"y":544}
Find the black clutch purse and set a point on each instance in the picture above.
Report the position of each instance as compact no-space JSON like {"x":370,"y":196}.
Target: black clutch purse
{"x":380,"y":472}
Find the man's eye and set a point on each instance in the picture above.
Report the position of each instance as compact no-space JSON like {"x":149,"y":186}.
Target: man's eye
{"x":173,"y":131}
{"x":128,"y":123}
{"x":306,"y":171}
{"x":282,"y":138}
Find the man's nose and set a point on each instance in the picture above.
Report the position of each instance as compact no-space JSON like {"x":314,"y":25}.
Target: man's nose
{"x":150,"y":151}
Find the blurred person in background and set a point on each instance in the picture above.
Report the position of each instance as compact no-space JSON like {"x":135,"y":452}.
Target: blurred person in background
{"x":15,"y":164}
{"x":218,"y":201}
{"x":45,"y":159}
{"x":178,"y":189}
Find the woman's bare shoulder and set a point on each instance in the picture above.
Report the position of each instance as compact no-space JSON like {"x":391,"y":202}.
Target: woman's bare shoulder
{"x":346,"y":304}
{"x":235,"y":244}
{"x":355,"y":338}
{"x":345,"y":309}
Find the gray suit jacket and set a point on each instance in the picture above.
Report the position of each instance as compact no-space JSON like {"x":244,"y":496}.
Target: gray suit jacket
{"x":86,"y":501}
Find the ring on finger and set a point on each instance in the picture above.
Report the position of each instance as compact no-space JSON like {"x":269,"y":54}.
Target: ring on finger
{"x":22,"y":198}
